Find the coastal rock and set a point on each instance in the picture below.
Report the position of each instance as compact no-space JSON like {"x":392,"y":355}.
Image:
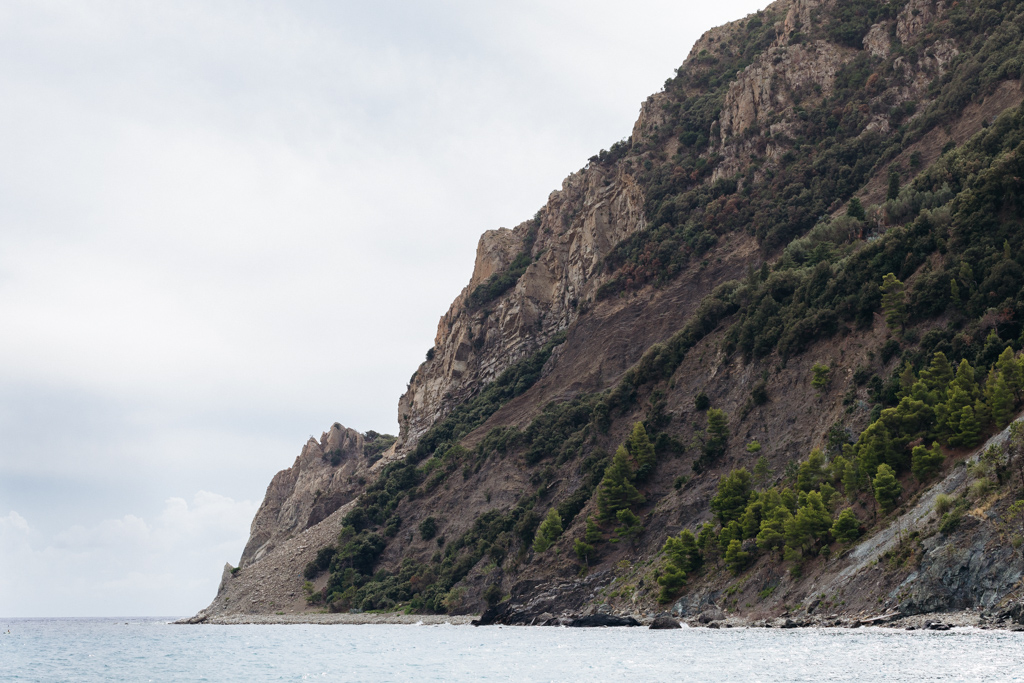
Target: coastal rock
{"x":664,"y":623}
{"x":325,"y":475}
{"x":597,"y":620}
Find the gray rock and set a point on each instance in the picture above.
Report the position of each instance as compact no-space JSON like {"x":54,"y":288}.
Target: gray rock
{"x":664,"y":623}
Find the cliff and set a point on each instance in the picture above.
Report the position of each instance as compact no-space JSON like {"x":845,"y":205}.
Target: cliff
{"x":730,"y":254}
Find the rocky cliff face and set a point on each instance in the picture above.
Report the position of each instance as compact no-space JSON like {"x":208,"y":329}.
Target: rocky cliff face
{"x":595,"y":210}
{"x":327,"y":474}
{"x":668,"y":217}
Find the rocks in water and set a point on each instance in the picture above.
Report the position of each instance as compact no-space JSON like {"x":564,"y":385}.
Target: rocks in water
{"x":595,"y":620}
{"x":709,"y":615}
{"x":788,"y":623}
{"x":664,"y":623}
{"x":714,"y":624}
{"x":937,"y":626}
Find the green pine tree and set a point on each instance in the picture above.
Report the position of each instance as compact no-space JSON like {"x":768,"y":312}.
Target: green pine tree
{"x":682,"y":551}
{"x":630,"y":526}
{"x":616,"y":491}
{"x":968,"y":429}
{"x":672,"y":580}
{"x":811,"y":472}
{"x":887,"y":487}
{"x":925,"y":462}
{"x":640,"y":447}
{"x":736,"y":559}
{"x":716,"y":436}
{"x":1000,"y":399}
{"x":852,"y":478}
{"x":549,"y":531}
{"x":893,"y":302}
{"x":938,"y":374}
{"x":856,"y":210}
{"x":875,"y":448}
{"x":965,"y":379}
{"x":750,"y":520}
{"x":846,"y":528}
{"x":773,"y":529}
{"x":761,"y":471}
{"x":593,"y":533}
{"x":1010,"y":369}
{"x":706,"y":536}
{"x":894,"y":184}
{"x":732,"y":497}
{"x":584,"y":551}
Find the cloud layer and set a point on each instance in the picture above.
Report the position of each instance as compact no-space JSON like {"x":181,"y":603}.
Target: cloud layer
{"x":128,"y":566}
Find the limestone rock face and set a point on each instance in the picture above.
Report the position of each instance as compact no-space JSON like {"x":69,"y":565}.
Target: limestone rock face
{"x":877,"y":41}
{"x":770,"y":83}
{"x":915,"y":16}
{"x":310,"y":490}
{"x":596,"y":208}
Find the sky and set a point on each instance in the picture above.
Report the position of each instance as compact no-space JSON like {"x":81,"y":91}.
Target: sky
{"x":225,"y":226}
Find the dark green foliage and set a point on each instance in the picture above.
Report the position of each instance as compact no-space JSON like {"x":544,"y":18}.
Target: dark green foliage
{"x":847,"y":527}
{"x":811,"y":473}
{"x":584,"y":551}
{"x":856,"y":210}
{"x":320,"y":563}
{"x":736,"y":559}
{"x":893,"y":303}
{"x":642,"y":452}
{"x":925,"y":462}
{"x":549,"y":531}
{"x":887,"y":488}
{"x":716,"y":436}
{"x":702,"y":402}
{"x":559,"y":430}
{"x":616,"y":491}
{"x":733,"y":493}
{"x":630,"y":526}
{"x":428,"y":528}
{"x":375,"y":444}
{"x":471,"y":414}
{"x":672,"y":580}
{"x":682,"y":551}
{"x":850,"y":20}
{"x":492,"y":595}
{"x":894,"y":184}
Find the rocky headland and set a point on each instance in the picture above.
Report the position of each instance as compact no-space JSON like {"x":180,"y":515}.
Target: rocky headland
{"x":757,"y":364}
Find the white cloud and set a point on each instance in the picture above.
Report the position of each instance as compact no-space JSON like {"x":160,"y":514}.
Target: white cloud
{"x":124,"y":566}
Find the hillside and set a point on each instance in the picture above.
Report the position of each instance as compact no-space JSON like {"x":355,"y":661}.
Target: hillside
{"x":759,"y":356}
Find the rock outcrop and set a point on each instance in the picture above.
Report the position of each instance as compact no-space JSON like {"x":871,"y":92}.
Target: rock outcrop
{"x":327,"y":474}
{"x":672,"y":220}
{"x":596,"y":209}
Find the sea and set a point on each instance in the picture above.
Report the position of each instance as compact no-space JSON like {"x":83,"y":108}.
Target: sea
{"x":155,"y":650}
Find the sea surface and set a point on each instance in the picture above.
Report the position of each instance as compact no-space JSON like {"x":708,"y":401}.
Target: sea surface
{"x":154,"y":650}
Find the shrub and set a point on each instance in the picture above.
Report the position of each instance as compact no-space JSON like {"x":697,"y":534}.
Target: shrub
{"x":428,"y":528}
{"x":943,"y":503}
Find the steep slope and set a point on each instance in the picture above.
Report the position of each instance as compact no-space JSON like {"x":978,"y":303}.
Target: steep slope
{"x":729,"y":254}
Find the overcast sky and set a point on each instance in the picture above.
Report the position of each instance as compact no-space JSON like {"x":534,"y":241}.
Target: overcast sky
{"x":225,"y":225}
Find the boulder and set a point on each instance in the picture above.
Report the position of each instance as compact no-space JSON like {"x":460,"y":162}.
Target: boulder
{"x":664,"y":623}
{"x":595,"y":620}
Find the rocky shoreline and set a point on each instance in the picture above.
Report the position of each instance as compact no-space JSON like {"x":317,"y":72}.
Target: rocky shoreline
{"x":1007,"y":620}
{"x":326,"y":618}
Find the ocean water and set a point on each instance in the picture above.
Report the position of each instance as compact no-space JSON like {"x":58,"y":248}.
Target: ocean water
{"x":154,"y":650}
